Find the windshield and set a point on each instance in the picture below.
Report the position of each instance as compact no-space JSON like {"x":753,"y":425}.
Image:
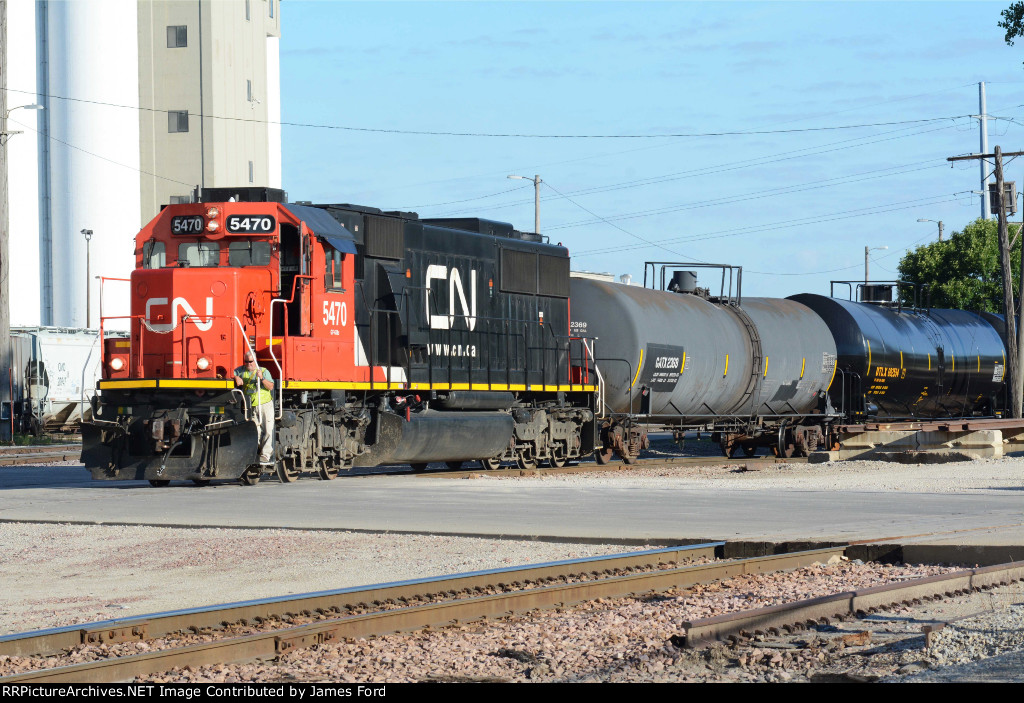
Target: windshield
{"x":199,"y":254}
{"x":249,"y":253}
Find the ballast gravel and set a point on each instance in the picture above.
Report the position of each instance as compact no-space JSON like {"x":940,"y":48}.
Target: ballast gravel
{"x":57,"y":575}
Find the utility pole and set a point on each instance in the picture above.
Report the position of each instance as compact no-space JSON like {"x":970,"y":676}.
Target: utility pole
{"x":536,"y":199}
{"x":1013,"y":363}
{"x":5,"y":268}
{"x":986,"y":213}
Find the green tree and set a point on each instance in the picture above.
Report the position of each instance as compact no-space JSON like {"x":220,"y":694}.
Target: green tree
{"x":1013,"y":22}
{"x":963,"y":272}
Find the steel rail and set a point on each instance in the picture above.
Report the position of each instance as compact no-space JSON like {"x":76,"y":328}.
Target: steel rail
{"x":142,"y":627}
{"x":788,"y":616}
{"x":277,"y":642}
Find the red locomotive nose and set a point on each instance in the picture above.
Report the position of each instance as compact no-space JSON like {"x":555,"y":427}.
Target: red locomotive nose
{"x":183,"y":322}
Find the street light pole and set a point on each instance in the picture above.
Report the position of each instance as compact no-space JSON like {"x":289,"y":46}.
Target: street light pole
{"x":88,"y":237}
{"x":866,"y":250}
{"x":939,"y":223}
{"x":536,"y":200}
{"x":5,"y":266}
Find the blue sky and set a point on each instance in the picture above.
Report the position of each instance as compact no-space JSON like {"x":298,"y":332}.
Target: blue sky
{"x":790,"y":206}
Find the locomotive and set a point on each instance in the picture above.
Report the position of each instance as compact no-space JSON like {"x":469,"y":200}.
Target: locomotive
{"x":396,"y":339}
{"x":390,"y":339}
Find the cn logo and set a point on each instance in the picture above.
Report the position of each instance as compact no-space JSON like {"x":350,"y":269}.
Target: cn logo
{"x":175,"y":304}
{"x":445,"y":322}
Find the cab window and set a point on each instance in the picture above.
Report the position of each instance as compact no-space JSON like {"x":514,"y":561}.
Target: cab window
{"x":201,"y":254}
{"x":332,"y":276}
{"x":249,"y":253}
{"x":154,"y":255}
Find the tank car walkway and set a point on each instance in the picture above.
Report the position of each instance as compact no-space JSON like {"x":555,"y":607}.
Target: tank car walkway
{"x":626,"y":508}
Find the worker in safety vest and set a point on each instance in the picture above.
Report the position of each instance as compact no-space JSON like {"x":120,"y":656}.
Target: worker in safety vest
{"x":256,"y":382}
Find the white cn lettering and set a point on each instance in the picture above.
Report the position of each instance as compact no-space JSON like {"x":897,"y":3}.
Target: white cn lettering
{"x":445,"y":322}
{"x":175,"y":304}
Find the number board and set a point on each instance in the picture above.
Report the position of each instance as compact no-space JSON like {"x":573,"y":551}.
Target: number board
{"x":251,"y":224}
{"x":187,"y":224}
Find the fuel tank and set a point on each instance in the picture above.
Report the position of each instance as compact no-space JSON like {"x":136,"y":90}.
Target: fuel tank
{"x":665,"y":353}
{"x":912,"y":363}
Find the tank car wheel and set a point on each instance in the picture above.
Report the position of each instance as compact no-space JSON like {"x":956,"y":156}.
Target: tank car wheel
{"x":419,"y":467}
{"x":201,"y":482}
{"x":628,"y":458}
{"x":603,"y":456}
{"x":453,"y":465}
{"x":251,"y":476}
{"x":287,"y":471}
{"x":784,"y":449}
{"x":159,"y":483}
{"x":492,"y":464}
{"x":749,"y":451}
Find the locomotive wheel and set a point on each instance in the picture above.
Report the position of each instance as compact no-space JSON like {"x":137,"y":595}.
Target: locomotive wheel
{"x":419,"y":467}
{"x":155,"y":483}
{"x":327,"y":471}
{"x":201,"y":482}
{"x":453,"y":465}
{"x":526,"y":460}
{"x":287,"y":471}
{"x":603,"y":456}
{"x":251,"y":476}
{"x":492,"y":464}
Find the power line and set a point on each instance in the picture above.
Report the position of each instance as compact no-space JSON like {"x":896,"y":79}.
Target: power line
{"x":828,"y":217}
{"x":612,"y":224}
{"x":721,"y":168}
{"x":98,"y":156}
{"x":509,"y":135}
{"x":760,"y":195}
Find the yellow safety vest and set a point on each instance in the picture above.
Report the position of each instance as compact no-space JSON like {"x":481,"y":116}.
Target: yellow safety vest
{"x":258,"y":395}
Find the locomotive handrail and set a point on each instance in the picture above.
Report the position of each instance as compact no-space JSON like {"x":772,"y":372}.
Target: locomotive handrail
{"x":99,"y":338}
{"x":284,"y":336}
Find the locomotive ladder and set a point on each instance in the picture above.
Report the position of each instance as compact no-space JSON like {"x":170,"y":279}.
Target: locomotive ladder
{"x":757,"y":358}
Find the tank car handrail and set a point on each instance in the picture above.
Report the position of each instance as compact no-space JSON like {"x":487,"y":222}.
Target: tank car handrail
{"x":284,"y":336}
{"x":597,"y":372}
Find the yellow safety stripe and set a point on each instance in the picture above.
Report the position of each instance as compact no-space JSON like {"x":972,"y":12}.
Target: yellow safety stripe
{"x":869,"y":356}
{"x":398,"y":385}
{"x":835,"y":366}
{"x":683,"y":365}
{"x":726,"y":372}
{"x":165,"y":383}
{"x":639,"y":365}
{"x":803,"y":366}
{"x":349,"y":385}
{"x":765,"y":367}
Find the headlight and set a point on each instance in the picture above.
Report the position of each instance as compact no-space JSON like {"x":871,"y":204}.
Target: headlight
{"x":212,"y":212}
{"x":117,"y":363}
{"x":203,"y":363}
{"x":212,"y":226}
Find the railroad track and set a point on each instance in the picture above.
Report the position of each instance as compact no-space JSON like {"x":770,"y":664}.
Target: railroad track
{"x":40,"y":453}
{"x":624,"y":575}
{"x":519,"y":589}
